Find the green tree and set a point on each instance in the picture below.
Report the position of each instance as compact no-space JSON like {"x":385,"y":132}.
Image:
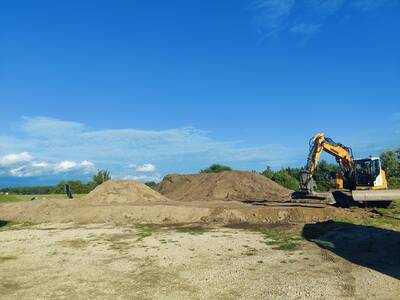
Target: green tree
{"x":391,"y":165}
{"x":77,"y":187}
{"x":294,"y":172}
{"x":216,"y":168}
{"x":101,"y":177}
{"x":268,"y":172}
{"x":285,"y":179}
{"x":325,"y":175}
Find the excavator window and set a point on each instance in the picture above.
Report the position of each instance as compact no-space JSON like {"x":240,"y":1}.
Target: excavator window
{"x":367,"y":170}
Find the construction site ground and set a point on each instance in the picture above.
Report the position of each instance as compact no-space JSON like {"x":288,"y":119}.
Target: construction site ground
{"x":126,"y":241}
{"x":106,"y":261}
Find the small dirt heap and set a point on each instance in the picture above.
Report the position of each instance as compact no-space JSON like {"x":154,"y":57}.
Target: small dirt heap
{"x":228,"y":186}
{"x":123,"y":192}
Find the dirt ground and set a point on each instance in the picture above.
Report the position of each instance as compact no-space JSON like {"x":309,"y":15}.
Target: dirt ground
{"x":127,"y":241}
{"x":105,"y":261}
{"x":220,"y":212}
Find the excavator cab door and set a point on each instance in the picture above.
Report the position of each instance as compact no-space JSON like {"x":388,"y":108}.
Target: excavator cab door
{"x":368,"y":172}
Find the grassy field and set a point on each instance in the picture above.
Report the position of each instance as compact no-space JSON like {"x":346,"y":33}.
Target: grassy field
{"x":16,"y":198}
{"x":389,"y":218}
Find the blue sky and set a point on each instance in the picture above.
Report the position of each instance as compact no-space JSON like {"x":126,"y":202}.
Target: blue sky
{"x":147,"y":88}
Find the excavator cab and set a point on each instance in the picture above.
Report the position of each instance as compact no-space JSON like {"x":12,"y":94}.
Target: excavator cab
{"x":369,"y":174}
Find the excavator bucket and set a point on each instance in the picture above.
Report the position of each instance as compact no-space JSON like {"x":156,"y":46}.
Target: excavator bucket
{"x":315,"y":197}
{"x":363,"y":196}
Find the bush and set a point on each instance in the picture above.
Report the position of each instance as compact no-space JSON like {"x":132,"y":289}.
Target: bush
{"x":394,"y":183}
{"x":216,"y":168}
{"x":77,"y":187}
{"x":285,"y":179}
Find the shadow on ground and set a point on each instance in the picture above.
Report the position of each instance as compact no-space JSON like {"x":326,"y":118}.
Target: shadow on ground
{"x":283,"y":204}
{"x":371,"y":247}
{"x":3,"y":223}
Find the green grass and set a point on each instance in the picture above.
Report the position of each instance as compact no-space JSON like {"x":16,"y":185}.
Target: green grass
{"x":389,"y":219}
{"x":11,"y":225}
{"x":145,"y":231}
{"x":17,"y":198}
{"x":192,"y":230}
{"x":323,"y":243}
{"x":281,"y":240}
{"x":287,"y":246}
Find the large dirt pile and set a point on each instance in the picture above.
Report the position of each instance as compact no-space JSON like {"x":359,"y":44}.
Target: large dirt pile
{"x":122,"y":192}
{"x":228,"y":186}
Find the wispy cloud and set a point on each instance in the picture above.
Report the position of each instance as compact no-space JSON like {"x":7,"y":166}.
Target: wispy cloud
{"x":61,"y":148}
{"x":271,"y":16}
{"x":145,"y":168}
{"x":50,"y":150}
{"x":305,"y":29}
{"x":304,"y":17}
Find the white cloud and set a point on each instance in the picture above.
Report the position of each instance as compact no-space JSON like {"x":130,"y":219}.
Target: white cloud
{"x":79,"y":151}
{"x":67,"y":166}
{"x":145,"y":168}
{"x":144,"y":178}
{"x":41,"y":164}
{"x":15,"y":158}
{"x":23,"y":165}
{"x":87,"y":164}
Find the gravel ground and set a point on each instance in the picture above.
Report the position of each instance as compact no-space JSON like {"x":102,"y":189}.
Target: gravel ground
{"x":104,"y":261}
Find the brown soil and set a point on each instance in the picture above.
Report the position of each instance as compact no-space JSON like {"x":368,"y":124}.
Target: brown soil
{"x":129,"y":202}
{"x":226,"y":186}
{"x":81,"y":212}
{"x":123,"y":192}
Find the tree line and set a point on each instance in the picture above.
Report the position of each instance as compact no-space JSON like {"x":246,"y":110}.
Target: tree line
{"x":324,"y":176}
{"x":325,"y":173}
{"x":77,"y":186}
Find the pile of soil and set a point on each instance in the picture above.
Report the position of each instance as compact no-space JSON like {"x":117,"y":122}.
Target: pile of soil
{"x":130,"y":202}
{"x":226,"y":186}
{"x":122,"y":192}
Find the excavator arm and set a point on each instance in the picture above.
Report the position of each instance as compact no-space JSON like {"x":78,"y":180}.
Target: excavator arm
{"x":318,"y":144}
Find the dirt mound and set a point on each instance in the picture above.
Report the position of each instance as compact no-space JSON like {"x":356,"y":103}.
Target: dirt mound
{"x":122,"y":192}
{"x":76,"y":211}
{"x":227,"y":186}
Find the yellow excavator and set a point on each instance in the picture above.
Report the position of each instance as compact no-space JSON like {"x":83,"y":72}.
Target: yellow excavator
{"x":361,"y":181}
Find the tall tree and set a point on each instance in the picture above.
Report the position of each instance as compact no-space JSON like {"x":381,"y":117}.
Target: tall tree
{"x":101,"y":177}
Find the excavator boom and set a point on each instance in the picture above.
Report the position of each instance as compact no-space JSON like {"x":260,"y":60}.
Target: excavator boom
{"x":318,"y":144}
